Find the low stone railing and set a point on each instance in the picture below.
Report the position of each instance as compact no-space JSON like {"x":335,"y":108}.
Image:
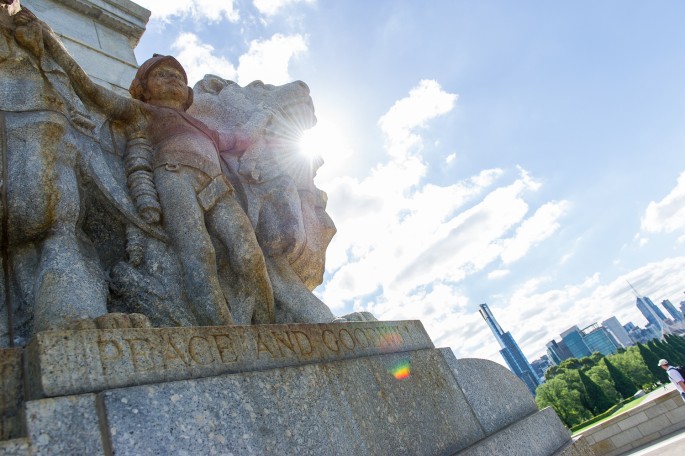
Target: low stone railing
{"x":645,"y":423}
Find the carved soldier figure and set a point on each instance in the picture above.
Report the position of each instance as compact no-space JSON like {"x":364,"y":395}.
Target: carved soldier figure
{"x":195,"y":197}
{"x":51,"y":276}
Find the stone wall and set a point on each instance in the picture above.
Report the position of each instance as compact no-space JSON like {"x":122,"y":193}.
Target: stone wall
{"x":636,"y":427}
{"x":362,"y":388}
{"x":100,"y":34}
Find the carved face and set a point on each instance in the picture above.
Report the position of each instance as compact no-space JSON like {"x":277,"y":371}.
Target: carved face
{"x":165,"y":85}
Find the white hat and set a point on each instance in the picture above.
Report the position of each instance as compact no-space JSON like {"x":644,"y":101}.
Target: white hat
{"x":662,"y":362}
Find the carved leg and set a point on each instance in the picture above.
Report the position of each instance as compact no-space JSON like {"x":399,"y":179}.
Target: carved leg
{"x":254,"y":296}
{"x":184,"y":222}
{"x":44,"y":206}
{"x":293,"y":296}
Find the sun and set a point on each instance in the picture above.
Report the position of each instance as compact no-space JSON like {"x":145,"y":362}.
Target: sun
{"x":313,"y":142}
{"x":325,"y":140}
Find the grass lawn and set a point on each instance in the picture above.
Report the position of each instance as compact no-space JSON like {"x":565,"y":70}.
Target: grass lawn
{"x":625,"y":408}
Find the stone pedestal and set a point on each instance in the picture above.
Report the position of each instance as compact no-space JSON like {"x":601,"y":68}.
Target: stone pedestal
{"x":100,"y":34}
{"x":369,"y":388}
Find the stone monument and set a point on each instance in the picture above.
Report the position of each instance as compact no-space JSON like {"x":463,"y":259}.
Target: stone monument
{"x":160,"y":245}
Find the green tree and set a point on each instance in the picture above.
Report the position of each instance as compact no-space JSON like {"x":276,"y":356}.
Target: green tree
{"x":677,"y":341}
{"x":657,"y":348}
{"x":651,"y":361}
{"x":595,"y":400}
{"x":631,"y":363}
{"x":565,"y":401}
{"x":600,"y":375}
{"x":674,"y":353}
{"x":622,"y":383}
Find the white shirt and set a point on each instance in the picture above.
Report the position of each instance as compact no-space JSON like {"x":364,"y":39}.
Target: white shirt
{"x":675,"y":377}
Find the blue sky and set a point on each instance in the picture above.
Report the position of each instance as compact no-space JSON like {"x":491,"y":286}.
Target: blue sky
{"x":525,"y":154}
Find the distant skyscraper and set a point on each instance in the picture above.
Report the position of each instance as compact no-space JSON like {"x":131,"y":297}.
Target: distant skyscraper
{"x":511,"y":352}
{"x":573,"y":339}
{"x":654,"y":308}
{"x":619,"y":332}
{"x":540,"y":366}
{"x":558,"y":351}
{"x":670,"y":308}
{"x":598,"y":339}
{"x":649,"y":313}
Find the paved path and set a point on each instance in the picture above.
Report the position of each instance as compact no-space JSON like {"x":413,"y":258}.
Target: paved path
{"x":671,"y":445}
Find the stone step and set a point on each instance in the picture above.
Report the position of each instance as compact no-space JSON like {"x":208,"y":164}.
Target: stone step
{"x":539,"y":434}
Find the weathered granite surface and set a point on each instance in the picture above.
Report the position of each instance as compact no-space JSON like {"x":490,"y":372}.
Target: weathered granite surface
{"x":495,"y":395}
{"x":146,"y":204}
{"x":352,"y":407}
{"x":537,"y":434}
{"x":579,"y":446}
{"x":11,"y":393}
{"x":73,"y":362}
{"x":64,"y":425}
{"x":349,"y":388}
{"x":100,"y":34}
{"x":15,"y":447}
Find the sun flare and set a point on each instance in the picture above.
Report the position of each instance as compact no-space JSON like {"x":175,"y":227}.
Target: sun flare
{"x":313,"y":142}
{"x":326,"y":141}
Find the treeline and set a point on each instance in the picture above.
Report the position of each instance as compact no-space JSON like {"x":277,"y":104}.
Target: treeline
{"x":579,"y":389}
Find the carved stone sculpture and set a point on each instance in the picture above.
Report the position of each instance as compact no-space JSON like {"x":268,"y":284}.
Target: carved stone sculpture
{"x":120,"y":212}
{"x":276,"y":186}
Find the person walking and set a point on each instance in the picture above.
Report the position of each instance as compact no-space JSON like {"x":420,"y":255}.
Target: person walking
{"x":675,"y":376}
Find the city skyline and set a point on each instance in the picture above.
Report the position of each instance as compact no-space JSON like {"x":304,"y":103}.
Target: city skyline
{"x":529,"y":156}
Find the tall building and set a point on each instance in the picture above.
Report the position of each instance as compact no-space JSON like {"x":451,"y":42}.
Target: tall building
{"x":558,"y":351}
{"x":618,"y":331}
{"x":670,"y":308}
{"x":644,"y":335}
{"x":573,"y":339}
{"x":598,"y":339}
{"x":649,"y":313}
{"x":540,"y":366}
{"x":511,"y":352}
{"x":654,"y":308}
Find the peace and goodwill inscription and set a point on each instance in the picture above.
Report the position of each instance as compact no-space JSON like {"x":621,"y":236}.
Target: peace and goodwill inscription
{"x":94,"y":360}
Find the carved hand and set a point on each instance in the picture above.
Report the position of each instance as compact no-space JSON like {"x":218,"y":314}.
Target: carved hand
{"x":29,"y":34}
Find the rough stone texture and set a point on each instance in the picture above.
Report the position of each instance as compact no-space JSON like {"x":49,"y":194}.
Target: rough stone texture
{"x":578,"y":447}
{"x":64,"y":425}
{"x":100,"y":34}
{"x":132,"y":208}
{"x":72,"y":362}
{"x":276,"y":187}
{"x":353,"y":407}
{"x":541,"y":433}
{"x":15,"y":447}
{"x":11,"y":393}
{"x":643,"y":424}
{"x":497,"y":396}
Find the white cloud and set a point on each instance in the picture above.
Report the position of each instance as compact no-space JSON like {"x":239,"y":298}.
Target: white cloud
{"x":272,"y":7}
{"x":199,"y":59}
{"x":450,"y":158}
{"x":498,"y":273}
{"x":534,"y":230}
{"x":404,"y":246}
{"x":667,"y":215}
{"x":398,"y":236}
{"x":425,"y":102}
{"x":205,"y":10}
{"x":267,"y":60}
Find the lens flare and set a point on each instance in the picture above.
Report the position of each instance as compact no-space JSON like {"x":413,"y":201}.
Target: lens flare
{"x":401,"y":370}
